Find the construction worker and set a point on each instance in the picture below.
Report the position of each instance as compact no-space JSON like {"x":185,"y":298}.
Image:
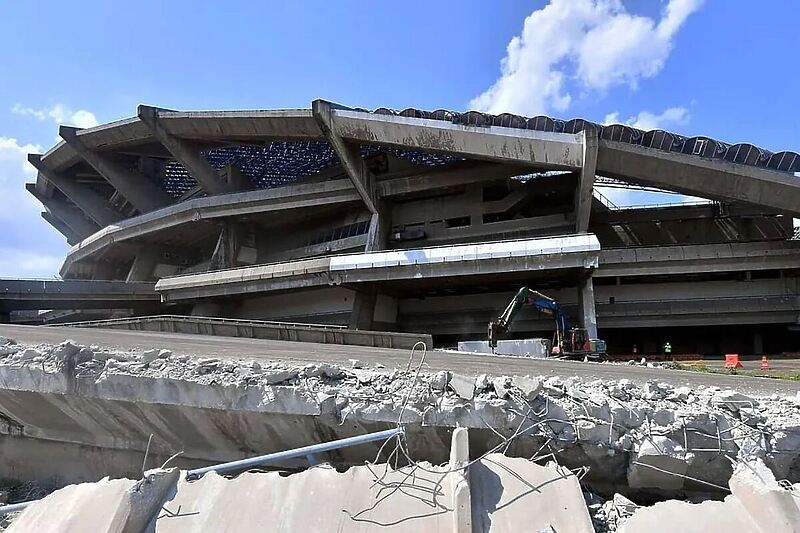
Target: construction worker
{"x":667,"y":348}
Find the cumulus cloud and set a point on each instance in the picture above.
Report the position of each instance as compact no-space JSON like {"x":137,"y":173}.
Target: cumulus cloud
{"x":60,"y":114}
{"x":581,"y":44}
{"x":28,"y":246}
{"x":645,"y":120}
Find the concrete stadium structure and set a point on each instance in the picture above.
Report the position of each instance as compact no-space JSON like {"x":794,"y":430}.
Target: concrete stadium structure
{"x":420,"y":221}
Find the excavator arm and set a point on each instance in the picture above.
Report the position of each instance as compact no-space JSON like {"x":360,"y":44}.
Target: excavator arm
{"x":525,"y":296}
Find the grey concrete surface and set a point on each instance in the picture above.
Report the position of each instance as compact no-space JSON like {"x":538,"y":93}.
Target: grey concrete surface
{"x":204,"y":346}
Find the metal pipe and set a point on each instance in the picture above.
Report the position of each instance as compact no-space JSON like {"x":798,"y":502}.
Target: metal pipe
{"x":297,"y":452}
{"x":15,"y":507}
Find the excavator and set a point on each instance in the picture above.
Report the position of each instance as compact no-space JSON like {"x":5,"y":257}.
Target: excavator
{"x":568,"y":342}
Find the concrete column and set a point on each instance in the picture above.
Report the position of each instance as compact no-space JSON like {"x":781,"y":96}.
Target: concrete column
{"x":363,"y":308}
{"x":586,"y":307}
{"x":583,"y":195}
{"x":462,"y":499}
{"x":137,"y":189}
{"x":200,"y":169}
{"x":72,"y":236}
{"x":758,"y":344}
{"x":228,"y":244}
{"x":82,"y":226}
{"x":95,"y":206}
{"x":144,"y":264}
{"x":236,"y":179}
{"x":379,"y":229}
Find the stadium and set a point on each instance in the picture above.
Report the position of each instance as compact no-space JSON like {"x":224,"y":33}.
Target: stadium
{"x":429,"y":221}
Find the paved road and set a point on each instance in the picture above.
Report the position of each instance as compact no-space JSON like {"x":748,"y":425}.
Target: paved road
{"x":208,"y":346}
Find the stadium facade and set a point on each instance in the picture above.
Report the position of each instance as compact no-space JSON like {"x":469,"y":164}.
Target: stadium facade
{"x":429,"y":221}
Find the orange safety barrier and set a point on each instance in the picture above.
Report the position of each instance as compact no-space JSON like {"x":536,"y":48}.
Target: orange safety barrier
{"x":764,"y":363}
{"x":732,"y":361}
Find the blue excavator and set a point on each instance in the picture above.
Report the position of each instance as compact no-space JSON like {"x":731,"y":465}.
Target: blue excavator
{"x":568,"y":342}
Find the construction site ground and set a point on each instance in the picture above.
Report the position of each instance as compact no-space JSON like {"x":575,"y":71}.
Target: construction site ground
{"x":208,"y":346}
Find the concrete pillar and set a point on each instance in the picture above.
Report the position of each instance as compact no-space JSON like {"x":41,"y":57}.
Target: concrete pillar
{"x":462,"y":499}
{"x":379,"y":229}
{"x":586,"y":307}
{"x":228,"y":244}
{"x":200,"y":169}
{"x":583,"y":194}
{"x":82,"y":226}
{"x":363,"y":308}
{"x":144,"y":264}
{"x":236,"y":179}
{"x":95,"y":206}
{"x":758,"y":344}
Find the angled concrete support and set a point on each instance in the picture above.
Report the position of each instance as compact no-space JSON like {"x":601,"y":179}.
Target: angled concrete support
{"x":363,"y":308}
{"x":586,"y":305}
{"x":348,"y":154}
{"x":95,"y":206}
{"x":82,"y":226}
{"x":379,"y":229}
{"x":583,"y":194}
{"x":191,"y":159}
{"x":228,"y":244}
{"x":72,"y":236}
{"x":144,"y":264}
{"x":142,"y":193}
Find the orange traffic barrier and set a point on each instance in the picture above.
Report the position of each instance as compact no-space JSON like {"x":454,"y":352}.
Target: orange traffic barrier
{"x":732,"y":361}
{"x":764,"y":363}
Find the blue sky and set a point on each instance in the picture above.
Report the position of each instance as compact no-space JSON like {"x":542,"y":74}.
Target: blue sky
{"x":720,"y":68}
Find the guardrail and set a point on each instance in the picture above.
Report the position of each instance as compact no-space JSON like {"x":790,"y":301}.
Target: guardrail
{"x":260,"y":329}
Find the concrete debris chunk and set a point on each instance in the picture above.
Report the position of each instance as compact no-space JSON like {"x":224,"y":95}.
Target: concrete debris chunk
{"x":530,"y":387}
{"x":440,"y":380}
{"x":733,"y":400}
{"x":355,"y":363}
{"x":463,"y":386}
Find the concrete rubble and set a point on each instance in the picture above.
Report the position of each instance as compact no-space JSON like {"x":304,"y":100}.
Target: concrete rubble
{"x":648,"y":441}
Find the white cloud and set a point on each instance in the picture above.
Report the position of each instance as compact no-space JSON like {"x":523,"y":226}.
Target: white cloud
{"x":645,"y":120}
{"x":29,"y":247}
{"x":597,"y":43}
{"x":60,"y":114}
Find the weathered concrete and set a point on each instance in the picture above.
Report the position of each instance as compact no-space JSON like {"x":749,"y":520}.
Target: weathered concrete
{"x":91,"y":203}
{"x":349,"y":156}
{"x":108,"y":506}
{"x":528,"y":147}
{"x":515,"y":494}
{"x":200,"y":169}
{"x":74,"y":294}
{"x":758,"y":504}
{"x":138,"y":189}
{"x":584,"y":192}
{"x":556,"y":253}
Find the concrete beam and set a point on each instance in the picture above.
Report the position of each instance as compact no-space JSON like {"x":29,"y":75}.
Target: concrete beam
{"x":82,"y":226}
{"x":451,"y":177}
{"x":583,"y":194}
{"x":707,"y":178}
{"x":95,"y":206}
{"x":348,"y":154}
{"x":73,"y":237}
{"x":142,"y":193}
{"x":363,"y":308}
{"x":144,"y":264}
{"x":227,"y":248}
{"x":510,"y":145}
{"x":200,"y":169}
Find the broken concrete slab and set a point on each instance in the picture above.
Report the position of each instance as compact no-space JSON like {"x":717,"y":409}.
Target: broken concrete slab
{"x":107,"y":506}
{"x":515,"y":494}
